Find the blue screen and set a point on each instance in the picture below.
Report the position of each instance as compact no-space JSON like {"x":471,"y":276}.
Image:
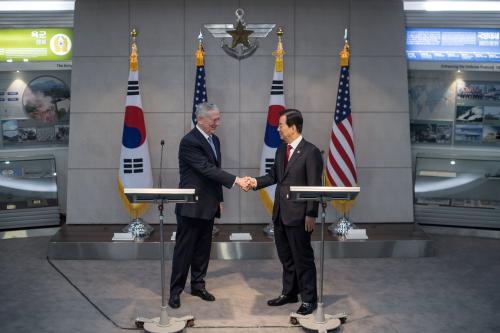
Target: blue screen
{"x":440,"y":44}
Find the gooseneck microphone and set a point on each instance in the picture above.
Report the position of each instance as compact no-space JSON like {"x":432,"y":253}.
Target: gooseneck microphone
{"x":323,"y":176}
{"x":162,"y":143}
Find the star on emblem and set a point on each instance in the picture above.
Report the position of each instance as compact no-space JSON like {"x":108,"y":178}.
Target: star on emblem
{"x":242,"y":46}
{"x":240,"y":35}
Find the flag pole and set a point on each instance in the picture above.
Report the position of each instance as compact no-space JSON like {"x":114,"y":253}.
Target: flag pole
{"x":278,"y":68}
{"x":342,"y":226}
{"x":137,"y":226}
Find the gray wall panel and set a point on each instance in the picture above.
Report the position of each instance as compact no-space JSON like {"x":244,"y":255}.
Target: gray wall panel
{"x":96,"y":141}
{"x":162,"y":82}
{"x":388,"y":148}
{"x":319,"y":26}
{"x":378,"y":84}
{"x":377,"y":28}
{"x":159,"y":23}
{"x":101,"y":28}
{"x":316,"y":81}
{"x":255,"y":83}
{"x":98,"y":84}
{"x":230,"y":140}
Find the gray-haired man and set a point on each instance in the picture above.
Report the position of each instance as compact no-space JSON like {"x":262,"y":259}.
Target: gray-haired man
{"x":199,"y":168}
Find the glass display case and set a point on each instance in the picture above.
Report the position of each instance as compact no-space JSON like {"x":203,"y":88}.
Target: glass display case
{"x":28,"y":192}
{"x":460,"y":191}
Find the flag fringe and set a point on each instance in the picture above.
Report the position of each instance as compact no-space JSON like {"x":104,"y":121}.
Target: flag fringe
{"x":341,"y":206}
{"x":266,"y":201}
{"x":134,"y":210}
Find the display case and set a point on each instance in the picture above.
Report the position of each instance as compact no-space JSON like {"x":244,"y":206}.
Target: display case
{"x":459,"y":191}
{"x":28,"y":192}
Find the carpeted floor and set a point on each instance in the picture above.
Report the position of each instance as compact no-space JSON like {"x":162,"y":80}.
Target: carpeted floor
{"x":458,"y":290}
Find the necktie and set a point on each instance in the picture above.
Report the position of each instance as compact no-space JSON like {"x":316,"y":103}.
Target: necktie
{"x":288,"y":151}
{"x":211,"y":142}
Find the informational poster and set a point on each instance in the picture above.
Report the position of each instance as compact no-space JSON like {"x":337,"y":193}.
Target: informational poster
{"x":478,"y":112}
{"x":35,"y":107}
{"x":431,"y":132}
{"x":446,"y":109}
{"x":23,"y":45}
{"x":431,"y":97}
{"x":452,"y":44}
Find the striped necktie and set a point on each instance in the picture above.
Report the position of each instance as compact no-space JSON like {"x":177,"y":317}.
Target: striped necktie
{"x":288,"y":150}
{"x":211,"y":142}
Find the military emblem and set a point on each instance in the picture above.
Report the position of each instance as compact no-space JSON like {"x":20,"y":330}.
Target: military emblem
{"x":244,"y":36}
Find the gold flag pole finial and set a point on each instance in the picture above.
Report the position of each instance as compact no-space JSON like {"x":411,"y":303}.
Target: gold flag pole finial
{"x":344,"y":54}
{"x":134,"y":63}
{"x":200,"y":52}
{"x":278,"y":54}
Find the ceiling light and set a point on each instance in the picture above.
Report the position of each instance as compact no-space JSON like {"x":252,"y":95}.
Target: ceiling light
{"x":453,"y":6}
{"x":35,"y":6}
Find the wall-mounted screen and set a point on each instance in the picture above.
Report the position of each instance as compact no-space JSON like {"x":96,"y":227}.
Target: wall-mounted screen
{"x":451,"y":44}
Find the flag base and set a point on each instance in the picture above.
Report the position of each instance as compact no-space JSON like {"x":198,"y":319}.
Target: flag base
{"x":139,"y":229}
{"x":269,"y":229}
{"x":342,"y":226}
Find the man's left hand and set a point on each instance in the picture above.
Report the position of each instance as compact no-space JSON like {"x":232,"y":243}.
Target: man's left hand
{"x":310,"y":222}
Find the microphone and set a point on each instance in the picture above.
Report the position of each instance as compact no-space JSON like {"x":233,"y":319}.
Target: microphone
{"x":162,"y":143}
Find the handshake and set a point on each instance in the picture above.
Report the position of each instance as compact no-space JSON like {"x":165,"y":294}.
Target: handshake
{"x":246,"y":183}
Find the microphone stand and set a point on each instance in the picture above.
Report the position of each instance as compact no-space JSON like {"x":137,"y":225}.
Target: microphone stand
{"x":164,"y":323}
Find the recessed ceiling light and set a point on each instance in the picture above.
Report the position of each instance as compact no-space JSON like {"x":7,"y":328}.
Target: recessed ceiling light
{"x":35,"y":6}
{"x":453,"y":6}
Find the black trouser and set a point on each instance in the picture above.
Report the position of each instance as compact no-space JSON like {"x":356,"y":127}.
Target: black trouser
{"x":193,"y":241}
{"x":297,"y":257}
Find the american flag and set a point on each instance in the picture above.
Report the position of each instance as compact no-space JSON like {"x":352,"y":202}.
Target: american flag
{"x":341,"y":163}
{"x":200,"y":89}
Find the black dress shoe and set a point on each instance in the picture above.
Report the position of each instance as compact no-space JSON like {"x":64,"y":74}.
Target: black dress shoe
{"x":174,"y":301}
{"x":307,"y":308}
{"x":282,"y":300}
{"x":203,"y":294}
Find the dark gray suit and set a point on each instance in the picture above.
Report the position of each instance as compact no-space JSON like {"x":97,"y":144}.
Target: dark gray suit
{"x":292,"y":241}
{"x":200,"y":169}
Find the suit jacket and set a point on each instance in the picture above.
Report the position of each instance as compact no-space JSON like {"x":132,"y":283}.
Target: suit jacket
{"x":199,"y":169}
{"x":304,"y":169}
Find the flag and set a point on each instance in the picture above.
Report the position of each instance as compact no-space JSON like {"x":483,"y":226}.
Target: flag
{"x":271,"y":138}
{"x":135,"y":164}
{"x":341,"y":162}
{"x":200,"y":89}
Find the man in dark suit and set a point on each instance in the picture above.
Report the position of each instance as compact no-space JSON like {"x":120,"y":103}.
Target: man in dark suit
{"x":297,"y":163}
{"x":199,"y":168}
